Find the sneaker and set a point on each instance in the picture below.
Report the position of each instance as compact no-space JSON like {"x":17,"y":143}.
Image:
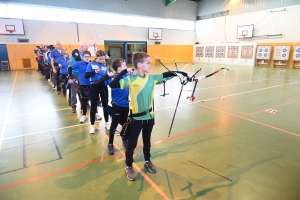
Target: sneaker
{"x":82,"y":119}
{"x":97,"y":116}
{"x":107,"y":126}
{"x":125,"y":143}
{"x":74,"y":109}
{"x":54,"y":88}
{"x":130,"y":173}
{"x":110,"y":149}
{"x":58,"y":93}
{"x":150,"y":166}
{"x":92,"y":129}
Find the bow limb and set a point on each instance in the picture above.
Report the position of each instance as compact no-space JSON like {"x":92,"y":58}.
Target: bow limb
{"x":216,"y":72}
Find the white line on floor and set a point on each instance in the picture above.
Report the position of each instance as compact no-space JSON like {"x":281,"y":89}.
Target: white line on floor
{"x":7,"y":111}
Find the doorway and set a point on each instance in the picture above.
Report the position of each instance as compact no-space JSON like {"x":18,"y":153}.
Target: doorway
{"x":3,"y":54}
{"x":124,"y":49}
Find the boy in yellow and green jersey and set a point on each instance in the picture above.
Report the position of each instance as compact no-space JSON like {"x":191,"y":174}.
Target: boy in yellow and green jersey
{"x":141,"y":90}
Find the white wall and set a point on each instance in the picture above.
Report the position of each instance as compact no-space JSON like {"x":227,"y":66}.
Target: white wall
{"x":45,"y":32}
{"x":265,"y":23}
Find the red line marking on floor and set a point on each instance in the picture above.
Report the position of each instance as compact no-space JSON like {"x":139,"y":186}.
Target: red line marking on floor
{"x":267,"y":125}
{"x":153,"y":143}
{"x":57,"y":172}
{"x":147,"y":178}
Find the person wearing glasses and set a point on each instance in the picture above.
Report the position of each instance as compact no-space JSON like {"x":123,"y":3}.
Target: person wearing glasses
{"x":84,"y":83}
{"x":76,"y":56}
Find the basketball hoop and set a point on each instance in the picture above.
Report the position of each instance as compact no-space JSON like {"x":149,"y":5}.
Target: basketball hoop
{"x":10,"y":28}
{"x":244,"y":33}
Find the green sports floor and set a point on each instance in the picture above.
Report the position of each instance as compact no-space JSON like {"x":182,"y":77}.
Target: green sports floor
{"x":229,"y":130}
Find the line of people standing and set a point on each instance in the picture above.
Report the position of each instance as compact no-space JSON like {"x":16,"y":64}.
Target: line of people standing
{"x":91,"y":79}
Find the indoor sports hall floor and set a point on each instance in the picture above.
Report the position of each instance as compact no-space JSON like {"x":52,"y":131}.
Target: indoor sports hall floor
{"x":47,"y":154}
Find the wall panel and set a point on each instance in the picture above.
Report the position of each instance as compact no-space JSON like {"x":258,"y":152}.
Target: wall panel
{"x":169,"y":53}
{"x":16,"y":52}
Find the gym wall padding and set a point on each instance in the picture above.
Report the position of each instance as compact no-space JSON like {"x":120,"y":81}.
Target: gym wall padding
{"x":16,"y":53}
{"x":169,"y":53}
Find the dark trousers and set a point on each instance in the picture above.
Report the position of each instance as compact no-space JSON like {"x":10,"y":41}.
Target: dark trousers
{"x":84,"y":93}
{"x":63,"y":82}
{"x":94,"y":96}
{"x":119,"y":116}
{"x":136,"y":126}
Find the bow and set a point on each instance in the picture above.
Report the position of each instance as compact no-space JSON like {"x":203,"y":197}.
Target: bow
{"x":183,"y":81}
{"x":192,"y":97}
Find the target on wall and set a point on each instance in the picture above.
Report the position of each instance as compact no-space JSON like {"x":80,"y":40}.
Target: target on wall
{"x":263,"y":52}
{"x":209,"y":51}
{"x":199,"y":51}
{"x":297,"y":53}
{"x":247,"y":52}
{"x":220,"y":52}
{"x":281,"y":52}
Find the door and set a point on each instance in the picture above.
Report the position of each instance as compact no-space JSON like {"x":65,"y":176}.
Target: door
{"x":115,"y":52}
{"x":3,"y":53}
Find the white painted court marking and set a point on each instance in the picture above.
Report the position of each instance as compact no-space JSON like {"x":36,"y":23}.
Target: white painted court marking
{"x":44,"y":131}
{"x":224,"y":96}
{"x":232,"y":84}
{"x":47,"y":111}
{"x":228,"y":85}
{"x":155,"y":110}
{"x":7,"y":111}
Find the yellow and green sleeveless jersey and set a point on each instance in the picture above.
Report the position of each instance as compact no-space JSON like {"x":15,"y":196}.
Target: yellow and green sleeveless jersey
{"x":141,"y":92}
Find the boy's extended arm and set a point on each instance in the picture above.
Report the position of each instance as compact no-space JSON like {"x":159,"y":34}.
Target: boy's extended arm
{"x":115,"y":83}
{"x":173,"y":73}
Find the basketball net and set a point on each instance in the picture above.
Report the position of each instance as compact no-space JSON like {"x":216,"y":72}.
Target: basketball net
{"x":10,"y":31}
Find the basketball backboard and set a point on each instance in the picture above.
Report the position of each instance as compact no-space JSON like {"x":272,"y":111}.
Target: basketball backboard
{"x":155,"y":33}
{"x":245,"y":31}
{"x":11,"y":26}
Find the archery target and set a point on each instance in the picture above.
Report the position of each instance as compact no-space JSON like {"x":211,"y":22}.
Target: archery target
{"x":263,"y":52}
{"x":247,"y":52}
{"x":297,"y":53}
{"x":220,"y":52}
{"x":209,"y":51}
{"x":281,"y":52}
{"x":199,"y":51}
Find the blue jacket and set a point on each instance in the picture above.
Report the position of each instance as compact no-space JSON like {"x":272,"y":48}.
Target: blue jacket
{"x":65,"y":64}
{"x":81,"y":67}
{"x":120,"y":97}
{"x":91,"y":67}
